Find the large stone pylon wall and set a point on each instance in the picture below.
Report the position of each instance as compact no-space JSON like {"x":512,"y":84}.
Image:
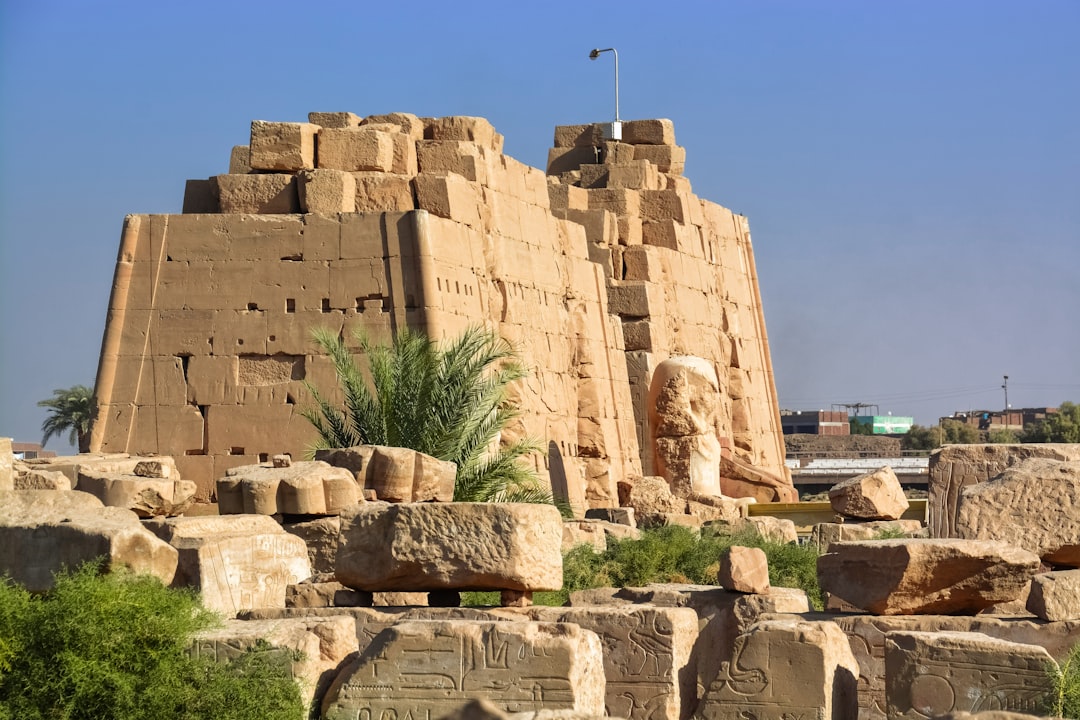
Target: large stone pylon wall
{"x":393,"y":221}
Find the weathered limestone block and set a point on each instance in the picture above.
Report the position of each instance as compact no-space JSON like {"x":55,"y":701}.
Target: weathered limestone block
{"x":201,"y":196}
{"x":240,"y":160}
{"x":321,"y":537}
{"x":333,"y":119}
{"x":825,"y":533}
{"x":649,"y":495}
{"x":411,"y":126}
{"x":740,"y":479}
{"x":784,"y":669}
{"x":584,"y":532}
{"x":356,"y":148}
{"x":7,"y":465}
{"x":649,"y":132}
{"x":649,"y":659}
{"x":304,"y":488}
{"x":872,"y":496}
{"x":34,"y":479}
{"x":591,"y":135}
{"x":667,"y":158}
{"x":261,"y":194}
{"x":146,"y":496}
{"x":439,"y":157}
{"x":328,"y":593}
{"x":326,"y":191}
{"x":568,"y":159}
{"x":461,"y":127}
{"x":925,"y":576}
{"x":450,"y":546}
{"x":282,"y":146}
{"x":396,"y":474}
{"x":44,"y":531}
{"x":684,"y":407}
{"x":383,"y":192}
{"x":715,"y":508}
{"x":1055,"y":595}
{"x":744,"y":569}
{"x":955,"y":467}
{"x":617,"y":516}
{"x":101,"y":463}
{"x":236,"y":562}
{"x":930,"y":674}
{"x":1035,"y":504}
{"x":779,"y":530}
{"x":426,"y":669}
{"x":312,"y":647}
{"x":449,"y":196}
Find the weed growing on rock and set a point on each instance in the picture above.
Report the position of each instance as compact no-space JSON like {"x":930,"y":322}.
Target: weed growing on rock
{"x":1065,"y":699}
{"x":115,"y":646}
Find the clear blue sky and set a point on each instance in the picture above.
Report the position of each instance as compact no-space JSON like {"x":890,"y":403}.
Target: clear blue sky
{"x":911,"y":170}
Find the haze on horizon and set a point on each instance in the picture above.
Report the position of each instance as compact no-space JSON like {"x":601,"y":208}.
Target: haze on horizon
{"x":911,"y":171}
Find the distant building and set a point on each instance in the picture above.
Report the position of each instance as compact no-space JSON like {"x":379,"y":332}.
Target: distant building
{"x":886,"y":424}
{"x":814,"y":422}
{"x":29,"y":451}
{"x":1015,"y":419}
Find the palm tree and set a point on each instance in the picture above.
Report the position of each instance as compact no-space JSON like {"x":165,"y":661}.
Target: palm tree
{"x":449,"y":402}
{"x":70,"y":411}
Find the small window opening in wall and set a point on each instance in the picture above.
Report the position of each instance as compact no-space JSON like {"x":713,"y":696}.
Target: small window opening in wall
{"x":236,"y":451}
{"x":264,"y":457}
{"x":326,"y":305}
{"x":253,"y":306}
{"x":168,"y":258}
{"x":239,"y":341}
{"x":290,"y":305}
{"x":289,"y":399}
{"x":457,"y":287}
{"x":438,"y":281}
{"x":197,"y":451}
{"x":272,"y":338}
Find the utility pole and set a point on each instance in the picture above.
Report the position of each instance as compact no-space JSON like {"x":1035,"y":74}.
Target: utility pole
{"x":1005,"y":387}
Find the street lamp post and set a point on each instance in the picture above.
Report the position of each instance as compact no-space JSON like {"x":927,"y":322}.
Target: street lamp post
{"x":595,"y":54}
{"x":1005,"y":387}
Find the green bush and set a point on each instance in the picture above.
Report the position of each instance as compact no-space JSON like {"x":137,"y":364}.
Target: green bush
{"x":1065,"y":700}
{"x":115,"y":646}
{"x":673,"y":554}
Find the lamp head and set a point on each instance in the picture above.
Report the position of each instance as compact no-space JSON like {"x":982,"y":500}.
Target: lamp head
{"x":594,"y":54}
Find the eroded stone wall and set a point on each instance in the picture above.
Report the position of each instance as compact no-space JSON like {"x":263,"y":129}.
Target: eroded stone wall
{"x":393,"y":221}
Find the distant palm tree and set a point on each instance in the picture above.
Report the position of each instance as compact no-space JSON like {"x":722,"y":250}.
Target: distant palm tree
{"x":449,"y":402}
{"x":71,"y":411}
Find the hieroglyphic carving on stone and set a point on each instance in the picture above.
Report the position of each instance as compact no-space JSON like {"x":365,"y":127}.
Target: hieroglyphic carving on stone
{"x":249,"y":571}
{"x":784,"y":670}
{"x":424,"y":669}
{"x":649,"y":661}
{"x":931,"y":674}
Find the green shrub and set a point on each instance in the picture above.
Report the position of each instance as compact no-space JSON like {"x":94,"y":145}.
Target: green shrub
{"x":673,"y":554}
{"x":115,"y":646}
{"x":1065,"y":700}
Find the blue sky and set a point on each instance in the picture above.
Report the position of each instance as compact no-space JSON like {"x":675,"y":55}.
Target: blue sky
{"x":911,"y":170}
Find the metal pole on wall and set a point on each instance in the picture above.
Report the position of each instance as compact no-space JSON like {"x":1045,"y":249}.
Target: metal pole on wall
{"x":595,"y":54}
{"x":1005,"y":387}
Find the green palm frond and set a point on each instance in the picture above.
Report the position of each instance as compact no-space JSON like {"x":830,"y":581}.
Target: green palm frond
{"x":446,"y":400}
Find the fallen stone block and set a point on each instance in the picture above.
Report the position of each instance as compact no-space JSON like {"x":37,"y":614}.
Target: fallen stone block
{"x":398,"y":475}
{"x":311,"y":647}
{"x":282,"y":146}
{"x":1032,"y":505}
{"x":617,"y":516}
{"x":304,"y":488}
{"x":236,"y":562}
{"x":930,"y":674}
{"x":356,"y":148}
{"x":584,"y":532}
{"x":145,"y":496}
{"x":741,"y":479}
{"x":871,"y":496}
{"x":427,"y":669}
{"x":1055,"y":596}
{"x":42,"y":480}
{"x":330,"y":593}
{"x":785,"y":669}
{"x":260,"y":194}
{"x":925,"y":576}
{"x":450,"y":546}
{"x":44,"y":531}
{"x":649,"y":495}
{"x":321,"y":537}
{"x":823,"y":534}
{"x":649,"y":657}
{"x":778,"y":530}
{"x":744,"y":569}
{"x":326,"y":191}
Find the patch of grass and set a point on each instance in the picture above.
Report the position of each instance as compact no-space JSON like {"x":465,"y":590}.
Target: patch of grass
{"x":1065,"y":699}
{"x":115,"y":646}
{"x":673,"y":554}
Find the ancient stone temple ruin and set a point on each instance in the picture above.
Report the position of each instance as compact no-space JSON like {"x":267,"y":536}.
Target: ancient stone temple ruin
{"x":598,"y":271}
